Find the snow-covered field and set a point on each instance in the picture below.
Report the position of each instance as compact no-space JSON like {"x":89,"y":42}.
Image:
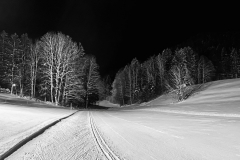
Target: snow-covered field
{"x":20,"y":118}
{"x":204,"y":127}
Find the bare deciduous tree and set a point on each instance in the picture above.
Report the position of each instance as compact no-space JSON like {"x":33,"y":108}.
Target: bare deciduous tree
{"x":90,"y":77}
{"x":104,"y":88}
{"x":206,"y":70}
{"x":134,"y":70}
{"x":177,"y":81}
{"x":235,"y":59}
{"x":161,"y":71}
{"x":71,"y":84}
{"x":58,"y":58}
{"x":119,"y":88}
{"x":13,"y":50}
{"x":22,"y":61}
{"x":33,"y":65}
{"x":3,"y":55}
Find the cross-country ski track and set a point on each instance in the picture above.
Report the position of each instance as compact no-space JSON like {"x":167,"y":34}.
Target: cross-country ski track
{"x":68,"y":140}
{"x":133,"y":135}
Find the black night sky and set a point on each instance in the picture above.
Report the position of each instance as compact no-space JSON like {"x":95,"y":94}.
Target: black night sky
{"x":115,"y":31}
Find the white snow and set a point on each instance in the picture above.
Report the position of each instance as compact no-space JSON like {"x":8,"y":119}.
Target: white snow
{"x":204,"y":127}
{"x":69,"y":139}
{"x":19,"y":119}
{"x":106,"y":103}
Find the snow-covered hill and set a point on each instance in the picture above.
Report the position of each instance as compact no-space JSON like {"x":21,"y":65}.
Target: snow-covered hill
{"x":222,"y":97}
{"x":222,"y":93}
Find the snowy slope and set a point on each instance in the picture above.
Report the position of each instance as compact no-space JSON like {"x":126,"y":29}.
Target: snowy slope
{"x":20,"y":118}
{"x":215,"y":98}
{"x":204,"y":127}
{"x":212,"y":97}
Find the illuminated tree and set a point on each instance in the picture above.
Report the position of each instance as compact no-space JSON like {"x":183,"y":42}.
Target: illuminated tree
{"x":33,"y":66}
{"x":206,"y":70}
{"x":177,"y":81}
{"x":58,"y":59}
{"x":12,"y":59}
{"x":23,"y":59}
{"x":119,"y":88}
{"x":90,"y":77}
{"x":104,"y":88}
{"x":3,"y":55}
{"x":161,"y":69}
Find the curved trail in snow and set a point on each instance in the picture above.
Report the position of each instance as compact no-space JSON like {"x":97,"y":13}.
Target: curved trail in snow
{"x":74,"y":138}
{"x":29,"y":138}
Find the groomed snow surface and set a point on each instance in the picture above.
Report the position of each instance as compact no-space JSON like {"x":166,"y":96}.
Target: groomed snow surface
{"x":20,"y":118}
{"x":70,"y":139}
{"x":204,"y":127}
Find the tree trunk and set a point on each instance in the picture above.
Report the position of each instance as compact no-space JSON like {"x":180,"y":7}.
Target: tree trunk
{"x":60,"y":89}
{"x":86,"y":100}
{"x":198,"y":73}
{"x":130,"y":85}
{"x":64,"y":96}
{"x":122,"y":93}
{"x":32,"y":86}
{"x":55,"y":97}
{"x":51,"y":84}
{"x":203,"y":75}
{"x":21,"y":89}
{"x":12,"y":89}
{"x":35,"y":77}
{"x":56,"y":92}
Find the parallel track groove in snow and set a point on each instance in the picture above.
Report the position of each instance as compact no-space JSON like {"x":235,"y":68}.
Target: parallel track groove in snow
{"x":29,"y":138}
{"x":101,"y":143}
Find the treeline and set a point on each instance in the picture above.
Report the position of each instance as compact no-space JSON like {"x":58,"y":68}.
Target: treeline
{"x":222,"y":48}
{"x":53,"y":68}
{"x":168,"y":71}
{"x":210,"y":56}
{"x":56,"y":69}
